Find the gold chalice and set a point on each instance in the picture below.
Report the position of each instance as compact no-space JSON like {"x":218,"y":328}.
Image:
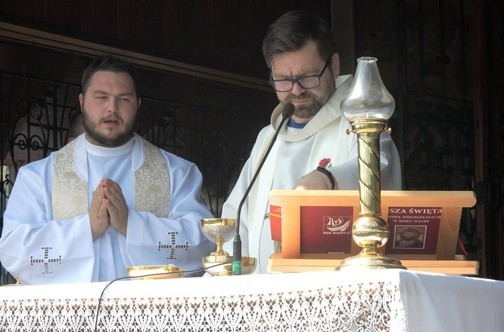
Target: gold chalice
{"x":219,"y":262}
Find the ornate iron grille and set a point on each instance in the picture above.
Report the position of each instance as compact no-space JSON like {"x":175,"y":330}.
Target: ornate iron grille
{"x":437,"y":108}
{"x":436,"y":102}
{"x":39,"y":112}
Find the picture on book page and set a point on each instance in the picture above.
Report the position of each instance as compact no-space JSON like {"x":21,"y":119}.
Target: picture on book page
{"x":413,"y":230}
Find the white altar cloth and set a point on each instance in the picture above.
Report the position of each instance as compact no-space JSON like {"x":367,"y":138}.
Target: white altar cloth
{"x":375,"y":300}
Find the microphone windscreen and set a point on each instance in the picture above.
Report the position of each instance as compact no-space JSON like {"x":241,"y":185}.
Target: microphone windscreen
{"x":288,"y":110}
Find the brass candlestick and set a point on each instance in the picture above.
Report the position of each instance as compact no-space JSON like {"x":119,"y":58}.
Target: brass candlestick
{"x":367,"y":106}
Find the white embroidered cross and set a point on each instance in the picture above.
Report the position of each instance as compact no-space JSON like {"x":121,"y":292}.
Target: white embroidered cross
{"x":173,"y":246}
{"x":45,"y":260}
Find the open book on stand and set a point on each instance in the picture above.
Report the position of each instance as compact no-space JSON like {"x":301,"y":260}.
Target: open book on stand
{"x":423,"y":225}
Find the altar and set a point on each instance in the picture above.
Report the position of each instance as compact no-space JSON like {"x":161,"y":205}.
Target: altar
{"x":377,"y":300}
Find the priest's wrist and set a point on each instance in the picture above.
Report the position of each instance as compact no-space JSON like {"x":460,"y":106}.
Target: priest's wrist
{"x":329,"y":176}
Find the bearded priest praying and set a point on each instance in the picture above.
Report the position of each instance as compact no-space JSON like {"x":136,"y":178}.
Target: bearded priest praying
{"x":107,"y":200}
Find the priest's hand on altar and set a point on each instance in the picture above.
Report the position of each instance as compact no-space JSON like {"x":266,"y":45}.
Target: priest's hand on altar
{"x":316,"y":180}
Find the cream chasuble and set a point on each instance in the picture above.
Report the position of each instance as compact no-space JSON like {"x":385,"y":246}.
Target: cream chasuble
{"x":70,"y":191}
{"x":47,"y":236}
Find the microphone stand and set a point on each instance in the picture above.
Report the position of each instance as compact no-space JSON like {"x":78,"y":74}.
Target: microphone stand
{"x":288,"y":110}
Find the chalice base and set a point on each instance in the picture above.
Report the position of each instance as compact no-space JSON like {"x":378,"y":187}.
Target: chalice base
{"x":369,"y":261}
{"x":223,"y":265}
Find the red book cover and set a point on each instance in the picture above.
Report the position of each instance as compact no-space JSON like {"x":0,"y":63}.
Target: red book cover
{"x":413,"y":230}
{"x":276,"y":223}
{"x":326,"y":229}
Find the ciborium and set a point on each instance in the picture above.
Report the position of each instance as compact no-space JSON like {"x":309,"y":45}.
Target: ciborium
{"x":219,"y":262}
{"x":367,"y":106}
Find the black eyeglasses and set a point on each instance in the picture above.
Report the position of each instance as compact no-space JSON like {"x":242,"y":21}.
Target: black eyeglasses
{"x":306,"y":82}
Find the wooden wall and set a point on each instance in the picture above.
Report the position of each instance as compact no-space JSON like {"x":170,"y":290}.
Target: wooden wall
{"x":222,"y":34}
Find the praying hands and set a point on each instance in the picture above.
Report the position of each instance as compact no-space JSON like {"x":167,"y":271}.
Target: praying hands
{"x":108,"y":208}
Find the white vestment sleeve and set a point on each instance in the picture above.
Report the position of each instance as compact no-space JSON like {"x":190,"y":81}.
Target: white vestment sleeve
{"x":230,"y":207}
{"x":37,"y":248}
{"x":347,"y":173}
{"x":178,"y":239}
{"x":230,"y":210}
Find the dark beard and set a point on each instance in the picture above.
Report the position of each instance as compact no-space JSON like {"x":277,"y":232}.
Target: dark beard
{"x":305,"y":112}
{"x":308,"y":112}
{"x":105,"y":141}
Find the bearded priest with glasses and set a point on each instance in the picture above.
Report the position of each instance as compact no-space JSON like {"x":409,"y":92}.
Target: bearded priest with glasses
{"x":314,"y":150}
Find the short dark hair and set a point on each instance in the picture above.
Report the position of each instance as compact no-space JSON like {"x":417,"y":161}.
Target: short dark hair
{"x":108,"y":63}
{"x":292,"y":30}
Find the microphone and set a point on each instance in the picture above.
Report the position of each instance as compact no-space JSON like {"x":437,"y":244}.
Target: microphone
{"x":287,"y":112}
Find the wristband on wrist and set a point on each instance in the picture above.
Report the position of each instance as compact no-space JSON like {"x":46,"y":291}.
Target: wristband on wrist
{"x":328,"y":174}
